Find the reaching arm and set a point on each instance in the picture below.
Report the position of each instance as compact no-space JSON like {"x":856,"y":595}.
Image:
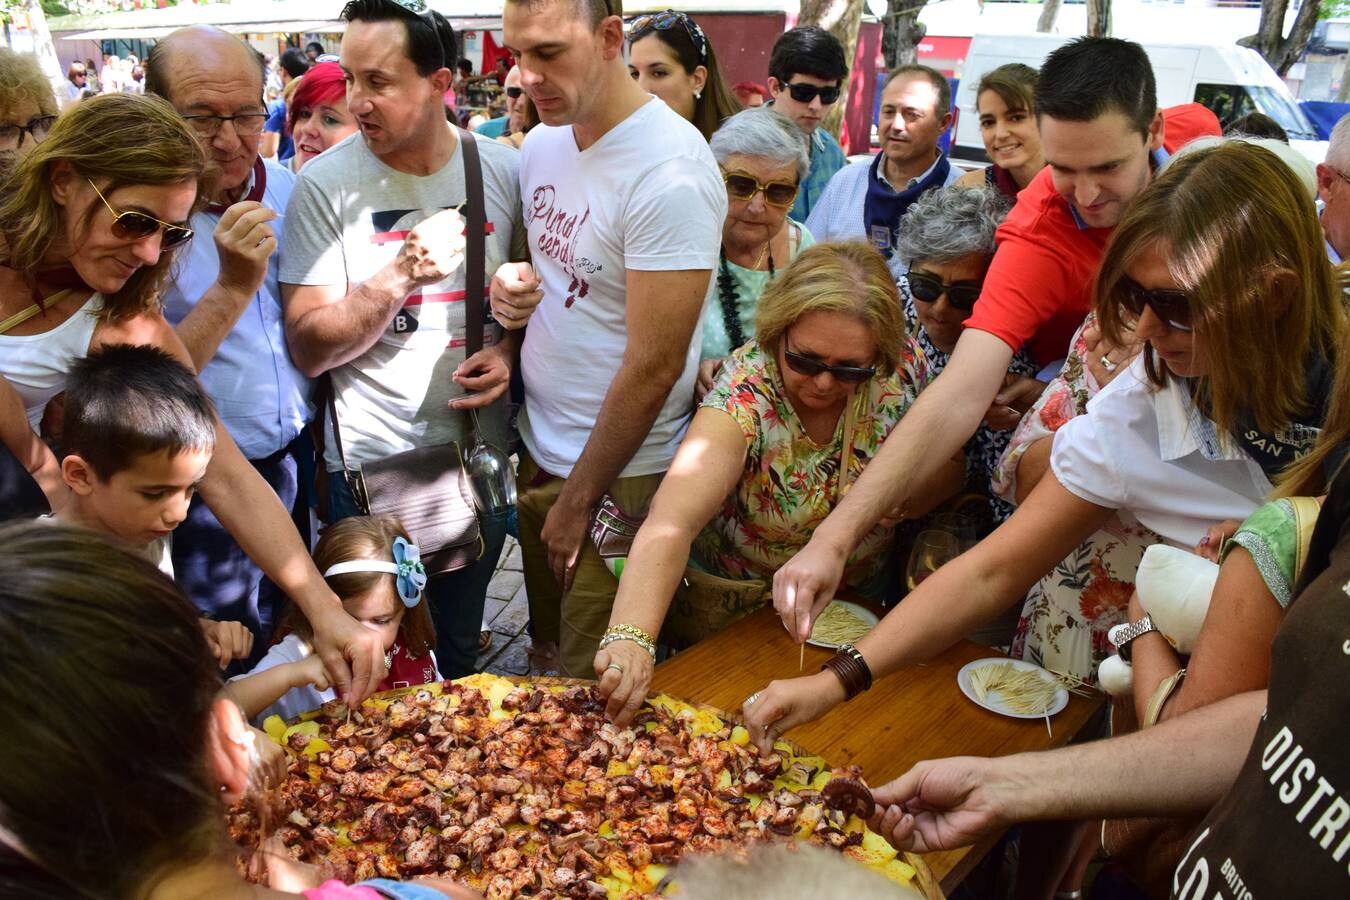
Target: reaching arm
{"x":932,"y":431}
{"x":250,"y":511}
{"x":36,"y":457}
{"x":968,"y":591}
{"x":1181,"y":767}
{"x":244,"y":243}
{"x":706,"y":469}
{"x":663,"y":309}
{"x":261,"y":688}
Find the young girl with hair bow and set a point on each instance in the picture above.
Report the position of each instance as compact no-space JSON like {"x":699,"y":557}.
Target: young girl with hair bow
{"x":372,"y":565}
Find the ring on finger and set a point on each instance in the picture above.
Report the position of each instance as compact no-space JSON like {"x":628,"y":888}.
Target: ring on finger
{"x":750,"y":701}
{"x":616,"y":667}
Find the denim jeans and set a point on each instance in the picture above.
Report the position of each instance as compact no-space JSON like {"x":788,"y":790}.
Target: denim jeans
{"x":456,"y":598}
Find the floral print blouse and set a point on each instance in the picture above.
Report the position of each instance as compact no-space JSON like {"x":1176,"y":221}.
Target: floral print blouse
{"x":791,"y":483}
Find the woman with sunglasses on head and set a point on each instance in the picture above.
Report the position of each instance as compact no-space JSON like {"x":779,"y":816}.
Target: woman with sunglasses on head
{"x":1007,"y":111}
{"x":795,"y":415}
{"x":1217,"y":267}
{"x":88,"y":221}
{"x":671,"y":57}
{"x":763,"y":160}
{"x":947,"y":241}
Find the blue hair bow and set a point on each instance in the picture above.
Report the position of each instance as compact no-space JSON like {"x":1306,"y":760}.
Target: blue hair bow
{"x":412,"y":575}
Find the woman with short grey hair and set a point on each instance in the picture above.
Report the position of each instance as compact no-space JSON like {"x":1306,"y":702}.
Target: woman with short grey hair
{"x":947,"y":240}
{"x":763,"y":158}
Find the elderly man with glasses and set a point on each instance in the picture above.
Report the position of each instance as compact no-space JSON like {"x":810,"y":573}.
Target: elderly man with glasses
{"x":1333,"y":187}
{"x":225,"y":303}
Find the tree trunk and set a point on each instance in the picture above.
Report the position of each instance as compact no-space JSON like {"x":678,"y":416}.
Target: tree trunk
{"x":1049,"y":11}
{"x":1269,"y":40}
{"x":901,"y":32}
{"x":840,"y":18}
{"x":1099,"y":18}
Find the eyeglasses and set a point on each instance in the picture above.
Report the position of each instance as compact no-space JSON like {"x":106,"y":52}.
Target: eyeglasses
{"x":135,"y":226}
{"x":245,"y":124}
{"x":663,"y":21}
{"x":514,"y":92}
{"x":1343,"y":177}
{"x":929,"y":288}
{"x":805,"y":93}
{"x":744,"y":187}
{"x":11,"y":136}
{"x":1173,"y":307}
{"x":805,"y":365}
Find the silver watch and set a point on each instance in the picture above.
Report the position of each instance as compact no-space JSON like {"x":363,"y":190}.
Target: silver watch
{"x":1131,"y":633}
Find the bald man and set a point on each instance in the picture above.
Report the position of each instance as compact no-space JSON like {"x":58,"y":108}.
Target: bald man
{"x":225,"y":304}
{"x":1333,"y":186}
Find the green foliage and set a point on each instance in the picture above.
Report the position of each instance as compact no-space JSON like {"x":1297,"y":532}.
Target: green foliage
{"x":1334,"y":9}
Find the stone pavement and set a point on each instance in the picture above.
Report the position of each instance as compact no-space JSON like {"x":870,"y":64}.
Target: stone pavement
{"x":506,"y":612}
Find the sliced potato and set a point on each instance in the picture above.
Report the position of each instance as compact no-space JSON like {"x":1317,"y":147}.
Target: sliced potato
{"x":315,"y":747}
{"x":275,"y":726}
{"x":740,"y":736}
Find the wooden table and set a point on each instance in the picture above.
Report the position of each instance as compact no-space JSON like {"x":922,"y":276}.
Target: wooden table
{"x":915,"y":714}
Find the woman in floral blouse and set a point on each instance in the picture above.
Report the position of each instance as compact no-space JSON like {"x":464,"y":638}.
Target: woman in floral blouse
{"x":792,"y":420}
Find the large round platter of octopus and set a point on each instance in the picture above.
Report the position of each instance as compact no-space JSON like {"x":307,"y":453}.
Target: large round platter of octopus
{"x":522,"y":788}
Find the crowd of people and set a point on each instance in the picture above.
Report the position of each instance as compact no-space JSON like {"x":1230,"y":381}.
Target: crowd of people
{"x":735,"y":371}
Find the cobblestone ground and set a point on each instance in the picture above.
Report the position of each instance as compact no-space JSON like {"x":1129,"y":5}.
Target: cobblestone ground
{"x":506,"y":613}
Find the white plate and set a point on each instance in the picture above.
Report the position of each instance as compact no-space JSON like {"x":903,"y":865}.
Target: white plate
{"x":994,"y":703}
{"x":861,"y":612}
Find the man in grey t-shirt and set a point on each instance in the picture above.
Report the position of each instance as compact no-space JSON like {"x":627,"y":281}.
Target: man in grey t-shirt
{"x":373,"y":279}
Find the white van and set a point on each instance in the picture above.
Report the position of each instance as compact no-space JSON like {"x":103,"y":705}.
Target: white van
{"x":1230,"y":80}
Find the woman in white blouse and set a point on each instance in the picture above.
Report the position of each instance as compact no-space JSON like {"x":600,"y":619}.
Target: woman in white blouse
{"x":1218,"y":268}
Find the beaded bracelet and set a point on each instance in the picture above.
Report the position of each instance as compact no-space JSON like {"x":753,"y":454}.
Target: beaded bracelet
{"x":613,"y":636}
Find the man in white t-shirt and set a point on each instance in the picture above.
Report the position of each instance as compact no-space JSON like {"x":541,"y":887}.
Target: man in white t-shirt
{"x":624,"y":208}
{"x":373,"y":280}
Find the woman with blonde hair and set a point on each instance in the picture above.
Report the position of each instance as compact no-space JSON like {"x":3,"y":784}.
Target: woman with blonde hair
{"x":28,"y":106}
{"x":1218,"y":268}
{"x":793,"y":418}
{"x":88,"y":223}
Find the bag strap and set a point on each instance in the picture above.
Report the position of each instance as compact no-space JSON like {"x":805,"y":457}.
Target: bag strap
{"x":475,"y":260}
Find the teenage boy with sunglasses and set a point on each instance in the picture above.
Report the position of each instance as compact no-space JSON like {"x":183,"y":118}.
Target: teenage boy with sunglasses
{"x":225,"y":304}
{"x":374,"y":279}
{"x":806,"y":69}
{"x":1103,"y":136}
{"x":624,"y":206}
{"x":867,"y":199}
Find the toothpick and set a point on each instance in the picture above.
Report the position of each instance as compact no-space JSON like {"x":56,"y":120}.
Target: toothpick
{"x":801,"y":663}
{"x":1048,"y":729}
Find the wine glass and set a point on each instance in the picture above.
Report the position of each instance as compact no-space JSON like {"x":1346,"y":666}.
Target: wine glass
{"x":932,"y":549}
{"x":491,"y":474}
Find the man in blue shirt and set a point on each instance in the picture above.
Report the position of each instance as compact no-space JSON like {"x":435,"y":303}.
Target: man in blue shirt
{"x":806,"y":69}
{"x":225,"y":304}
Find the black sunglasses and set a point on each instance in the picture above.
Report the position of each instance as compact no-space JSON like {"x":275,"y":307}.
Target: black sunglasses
{"x":514,"y":92}
{"x":929,"y":288}
{"x":1172,"y":306}
{"x":805,"y":365}
{"x":744,"y":187}
{"x":663,"y":21}
{"x":135,"y":226}
{"x":805,"y":93}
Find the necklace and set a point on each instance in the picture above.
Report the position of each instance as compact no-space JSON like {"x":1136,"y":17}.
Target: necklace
{"x":729,"y":298}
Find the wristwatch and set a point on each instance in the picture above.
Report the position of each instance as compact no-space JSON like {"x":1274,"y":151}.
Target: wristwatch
{"x":1130,"y":633}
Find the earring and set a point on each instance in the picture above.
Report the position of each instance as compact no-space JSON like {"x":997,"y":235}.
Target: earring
{"x":698,"y":95}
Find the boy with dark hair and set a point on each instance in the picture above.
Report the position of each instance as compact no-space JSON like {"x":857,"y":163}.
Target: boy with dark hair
{"x":1103,"y":136}
{"x":139,"y":431}
{"x":807,"y":68}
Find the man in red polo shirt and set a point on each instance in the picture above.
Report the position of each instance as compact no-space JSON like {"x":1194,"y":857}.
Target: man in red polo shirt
{"x":1103,"y":137}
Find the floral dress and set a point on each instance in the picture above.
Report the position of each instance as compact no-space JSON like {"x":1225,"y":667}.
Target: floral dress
{"x":790,"y":483}
{"x":1069,"y":611}
{"x":984,"y":450}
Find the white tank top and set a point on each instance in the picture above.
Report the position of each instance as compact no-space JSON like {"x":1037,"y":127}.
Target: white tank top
{"x":36,"y":364}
